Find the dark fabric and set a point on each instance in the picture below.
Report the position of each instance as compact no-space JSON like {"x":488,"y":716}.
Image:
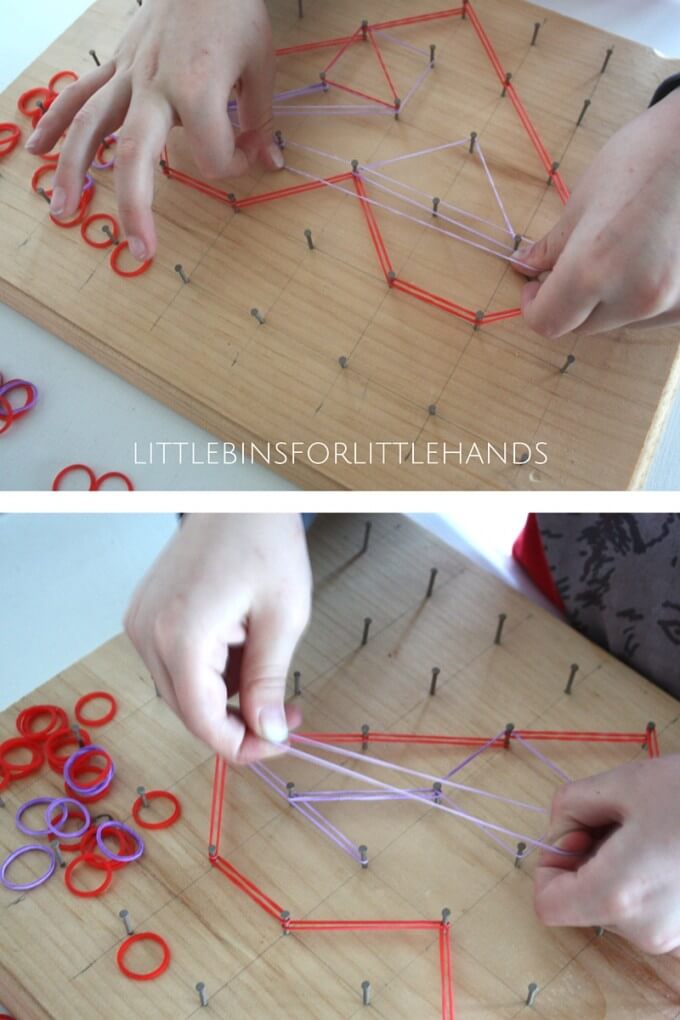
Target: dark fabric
{"x":665,"y":88}
{"x":619,"y":578}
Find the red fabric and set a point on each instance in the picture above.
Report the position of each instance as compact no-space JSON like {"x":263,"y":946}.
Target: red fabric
{"x":528,"y":551}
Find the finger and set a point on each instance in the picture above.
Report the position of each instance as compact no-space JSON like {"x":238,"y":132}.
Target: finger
{"x":562,"y":303}
{"x":256,"y":108}
{"x":62,"y":111}
{"x":580,"y":898}
{"x":267,"y":655}
{"x":100,"y":115}
{"x":671,"y":318}
{"x":532,"y":259}
{"x":138,"y":150}
{"x":575,"y":846}
{"x":210,"y":135}
{"x":593,"y":803}
{"x":136,"y":632}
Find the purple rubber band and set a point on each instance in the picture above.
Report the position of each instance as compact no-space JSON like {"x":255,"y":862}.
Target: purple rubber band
{"x":475,"y":754}
{"x":414,"y":88}
{"x":88,"y":791}
{"x":24,"y":887}
{"x":47,"y":801}
{"x":482,"y":158}
{"x":401,"y":42}
{"x":542,"y":757}
{"x":123,"y":828}
{"x":54,"y":828}
{"x":16,"y":384}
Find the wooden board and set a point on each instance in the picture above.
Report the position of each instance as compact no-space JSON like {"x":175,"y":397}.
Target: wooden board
{"x":197,"y":348}
{"x":57,"y":955}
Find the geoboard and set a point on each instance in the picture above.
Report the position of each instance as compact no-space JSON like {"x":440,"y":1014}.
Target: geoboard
{"x":385,"y":298}
{"x":280,"y":921}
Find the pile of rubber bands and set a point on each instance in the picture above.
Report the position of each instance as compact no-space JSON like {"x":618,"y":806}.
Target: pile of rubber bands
{"x":9,"y":414}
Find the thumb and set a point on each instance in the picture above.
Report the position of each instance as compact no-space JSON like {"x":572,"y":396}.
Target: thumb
{"x":267,"y":656}
{"x":540,"y":257}
{"x":255,"y":106}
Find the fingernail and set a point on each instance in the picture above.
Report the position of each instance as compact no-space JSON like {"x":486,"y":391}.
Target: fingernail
{"x":273,"y":725}
{"x":34,"y":141}
{"x":58,"y":202}
{"x":277,"y":157}
{"x":137,"y":248}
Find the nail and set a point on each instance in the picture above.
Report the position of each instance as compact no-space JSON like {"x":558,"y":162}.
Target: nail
{"x":521,"y":850}
{"x":297,"y":689}
{"x":310,"y":239}
{"x":607,"y":58}
{"x":257,"y":314}
{"x":285,"y":921}
{"x":432,"y":410}
{"x":509,"y":730}
{"x":291,"y":790}
{"x":365,"y":731}
{"x":343,"y":362}
{"x":436,"y":202}
{"x":200,"y":988}
{"x":433,"y":578}
{"x":446,"y":914}
{"x":586,"y":104}
{"x":473,"y":140}
{"x":273,"y":725}
{"x":508,"y":79}
{"x":533,"y":992}
{"x":366,"y":993}
{"x":367,"y":626}
{"x":367,"y":536}
{"x":502,"y":617}
{"x":433,"y":54}
{"x":437,"y":793}
{"x":93,"y":54}
{"x":537,"y":29}
{"x":141,"y":792}
{"x":58,"y":203}
{"x":137,"y":248}
{"x":276,"y":156}
{"x":570,"y":681}
{"x":479,"y":319}
{"x":363,"y":852}
{"x":568,"y":363}
{"x":433,"y":683}
{"x":125,"y":918}
{"x":179,"y":269}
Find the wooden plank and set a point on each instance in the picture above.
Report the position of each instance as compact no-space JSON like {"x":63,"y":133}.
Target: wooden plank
{"x":197,"y":349}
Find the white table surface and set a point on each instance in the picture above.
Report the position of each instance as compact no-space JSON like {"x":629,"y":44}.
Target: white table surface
{"x":87,"y":414}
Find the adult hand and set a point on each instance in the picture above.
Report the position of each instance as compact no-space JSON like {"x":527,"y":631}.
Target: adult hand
{"x":177,"y":64}
{"x":220,"y":613}
{"x":613,"y":259}
{"x":624,"y":827}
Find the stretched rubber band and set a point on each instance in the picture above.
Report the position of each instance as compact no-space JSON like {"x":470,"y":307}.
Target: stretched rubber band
{"x":127,"y":273}
{"x":122,"y":858}
{"x":157,"y":795}
{"x":93,"y":696}
{"x":25,"y":886}
{"x":71,"y":469}
{"x":88,"y":893}
{"x":145,"y":936}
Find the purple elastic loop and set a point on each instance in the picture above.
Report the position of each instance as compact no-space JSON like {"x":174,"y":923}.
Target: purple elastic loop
{"x":47,"y":801}
{"x":24,"y":887}
{"x":88,"y":791}
{"x":16,"y":384}
{"x":89,"y":183}
{"x":54,"y":828}
{"x":124,"y":828}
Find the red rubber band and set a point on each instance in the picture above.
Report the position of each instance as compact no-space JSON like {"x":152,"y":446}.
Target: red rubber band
{"x":92,"y":696}
{"x":108,"y":143}
{"x":39,"y":174}
{"x":127,"y":274}
{"x":70,"y":470}
{"x":157,"y":795}
{"x":10,"y":143}
{"x":114,"y":474}
{"x":126,"y":847}
{"x":97,"y":218}
{"x":5,"y":777}
{"x":145,"y":936}
{"x":58,"y":721}
{"x":39,"y":94}
{"x":65,"y":738}
{"x":84,"y":766}
{"x":85,"y":200}
{"x":87,"y":893}
{"x":21,"y":771}
{"x":72,"y":846}
{"x":8,"y":415}
{"x":59,"y":76}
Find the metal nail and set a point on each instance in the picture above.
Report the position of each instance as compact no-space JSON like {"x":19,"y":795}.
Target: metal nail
{"x":141,"y":792}
{"x":256,"y":314}
{"x":297,"y":676}
{"x":509,"y":730}
{"x":433,"y":54}
{"x":586,"y":104}
{"x":355,"y":166}
{"x":200,"y":988}
{"x":278,"y":135}
{"x":301,"y":9}
{"x":533,"y":992}
{"x":310,"y":240}
{"x":43,"y":194}
{"x":365,"y":731}
{"x":537,"y":29}
{"x":521,"y":850}
{"x":572,"y":676}
{"x":508,"y":79}
{"x":553,"y":170}
{"x":291,"y":790}
{"x":367,"y":626}
{"x":433,"y":577}
{"x":343,"y":362}
{"x":96,"y":59}
{"x":285,"y":919}
{"x":322,"y":75}
{"x":432,"y":410}
{"x":446,"y":914}
{"x":106,"y":229}
{"x":473,"y":140}
{"x":479,"y":319}
{"x":517,"y":241}
{"x":437,"y":791}
{"x":436,"y":202}
{"x":502,"y":617}
{"x":568,"y":363}
{"x":599,"y":932}
{"x":212,"y":851}
{"x":182,"y":275}
{"x":433,"y":682}
{"x":368,"y":527}
{"x":607,"y":58}
{"x":366,"y":993}
{"x":125,"y":918}
{"x":397,"y":108}
{"x":233,"y":201}
{"x":363,"y":853}
{"x":364,"y":29}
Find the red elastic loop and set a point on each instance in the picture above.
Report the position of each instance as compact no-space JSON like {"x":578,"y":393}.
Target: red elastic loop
{"x":92,"y":696}
{"x":157,"y":795}
{"x":10,"y":143}
{"x":71,"y":469}
{"x":126,"y":847}
{"x":39,"y":174}
{"x":72,"y":846}
{"x":20,"y":771}
{"x":145,"y":936}
{"x":8,"y":415}
{"x":39,"y":94}
{"x":59,"y":76}
{"x":57,"y":723}
{"x":84,"y":766}
{"x":85,"y":200}
{"x":114,"y":474}
{"x":127,"y":274}
{"x":58,"y":741}
{"x":28,"y":388}
{"x":97,"y":218}
{"x":5,"y":777}
{"x":101,"y":151}
{"x":87,"y":893}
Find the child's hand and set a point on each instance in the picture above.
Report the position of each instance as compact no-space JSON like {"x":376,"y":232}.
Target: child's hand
{"x":177,"y":64}
{"x":613,"y":259}
{"x":229,"y":597}
{"x":626,"y":824}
